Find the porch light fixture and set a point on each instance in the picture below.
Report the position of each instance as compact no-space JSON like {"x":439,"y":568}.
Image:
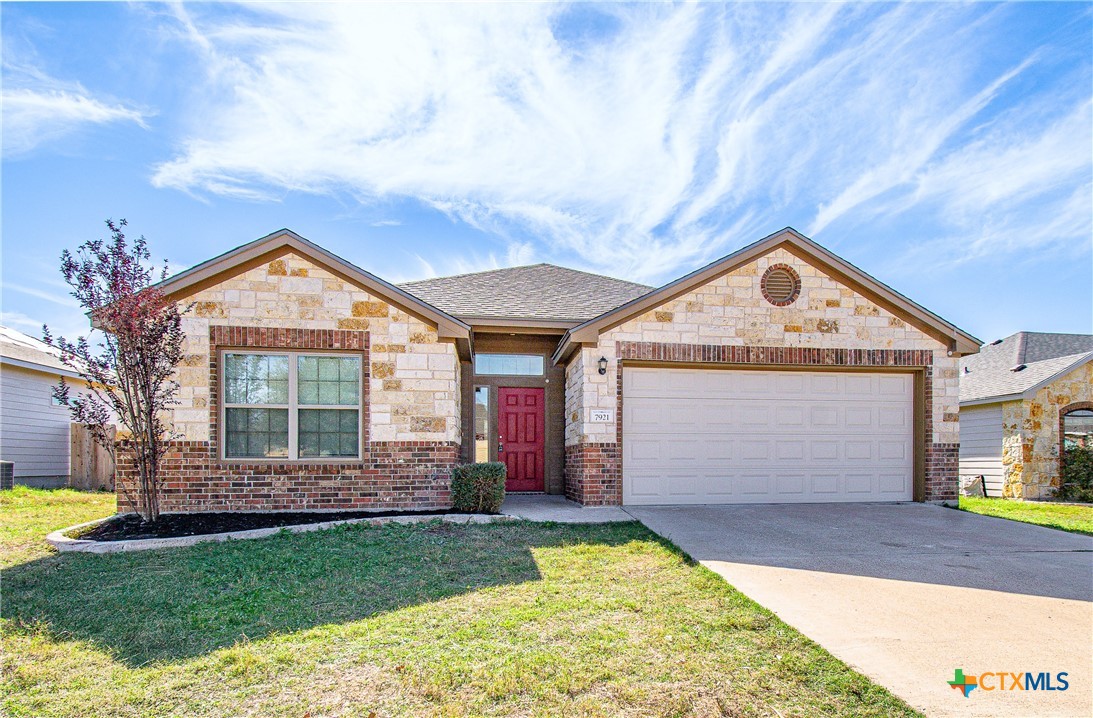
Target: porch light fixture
{"x":603,"y":365}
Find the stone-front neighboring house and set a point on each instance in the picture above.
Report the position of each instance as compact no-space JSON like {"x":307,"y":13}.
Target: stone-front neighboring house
{"x":1022,"y":399}
{"x":779,"y":373}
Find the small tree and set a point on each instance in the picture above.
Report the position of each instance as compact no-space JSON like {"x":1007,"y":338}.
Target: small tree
{"x":129,"y":373}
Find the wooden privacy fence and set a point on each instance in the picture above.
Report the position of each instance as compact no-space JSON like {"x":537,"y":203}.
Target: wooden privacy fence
{"x":90,"y":465}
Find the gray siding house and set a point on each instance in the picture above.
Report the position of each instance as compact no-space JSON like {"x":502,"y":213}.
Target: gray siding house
{"x":34,"y":429}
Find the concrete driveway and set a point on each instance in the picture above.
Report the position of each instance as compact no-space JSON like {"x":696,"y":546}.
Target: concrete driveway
{"x":907,"y":593}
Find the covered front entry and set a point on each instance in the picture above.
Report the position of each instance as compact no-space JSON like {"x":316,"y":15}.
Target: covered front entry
{"x":725,"y":436}
{"x":521,"y":437}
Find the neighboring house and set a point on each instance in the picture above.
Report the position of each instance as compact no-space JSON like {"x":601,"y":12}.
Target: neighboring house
{"x":779,"y":373}
{"x":1021,"y":398}
{"x":34,"y":428}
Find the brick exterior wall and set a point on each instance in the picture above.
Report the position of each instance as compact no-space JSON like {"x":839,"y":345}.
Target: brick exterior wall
{"x":389,"y":474}
{"x":594,"y":470}
{"x":392,"y":475}
{"x":593,"y":474}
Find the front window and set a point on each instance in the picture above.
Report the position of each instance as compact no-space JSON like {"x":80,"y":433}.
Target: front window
{"x":508,"y":364}
{"x":292,"y":406}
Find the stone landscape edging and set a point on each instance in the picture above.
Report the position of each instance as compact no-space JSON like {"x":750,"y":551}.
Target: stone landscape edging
{"x":60,"y":541}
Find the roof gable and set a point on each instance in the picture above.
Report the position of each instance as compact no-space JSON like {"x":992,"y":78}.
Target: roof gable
{"x":277,"y":244}
{"x":803,"y":248}
{"x":539,"y":292}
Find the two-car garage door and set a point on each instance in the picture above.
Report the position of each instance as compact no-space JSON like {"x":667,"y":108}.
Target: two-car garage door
{"x":696,"y":436}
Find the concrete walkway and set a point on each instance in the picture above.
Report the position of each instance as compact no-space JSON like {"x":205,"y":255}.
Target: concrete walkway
{"x":907,"y":593}
{"x":542,"y":507}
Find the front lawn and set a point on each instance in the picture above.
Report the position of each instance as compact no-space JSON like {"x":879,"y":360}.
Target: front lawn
{"x":29,"y":514}
{"x":430,"y":619}
{"x":1076,"y":519}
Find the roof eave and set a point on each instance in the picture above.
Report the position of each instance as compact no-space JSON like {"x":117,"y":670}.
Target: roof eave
{"x":1031,"y":391}
{"x":957,"y":341}
{"x":41,"y":368}
{"x":286,"y":240}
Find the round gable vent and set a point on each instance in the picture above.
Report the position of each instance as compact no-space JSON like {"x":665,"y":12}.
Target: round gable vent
{"x":781,"y":285}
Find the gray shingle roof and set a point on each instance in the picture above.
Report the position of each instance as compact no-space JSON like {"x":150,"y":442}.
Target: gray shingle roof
{"x":538,"y":291}
{"x":990,"y":373}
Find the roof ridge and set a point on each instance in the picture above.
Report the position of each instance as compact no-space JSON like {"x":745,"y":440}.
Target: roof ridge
{"x":525,"y":266}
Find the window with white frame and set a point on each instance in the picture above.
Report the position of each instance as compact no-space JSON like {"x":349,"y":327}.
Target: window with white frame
{"x":288,"y":405}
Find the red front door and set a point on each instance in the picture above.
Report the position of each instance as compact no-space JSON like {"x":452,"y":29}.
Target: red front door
{"x":520,"y":437}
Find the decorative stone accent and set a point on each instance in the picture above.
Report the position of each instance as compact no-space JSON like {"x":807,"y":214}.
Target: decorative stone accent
{"x":370,"y":309}
{"x":1032,"y":435}
{"x":277,"y":268}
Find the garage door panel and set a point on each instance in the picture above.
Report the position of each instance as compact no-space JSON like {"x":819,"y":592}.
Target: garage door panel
{"x":892,"y":483}
{"x":859,"y":483}
{"x":828,"y":384}
{"x":893,"y":450}
{"x":791,"y":450}
{"x":823,"y":417}
{"x":703,"y":436}
{"x":789,"y":383}
{"x":824,"y":450}
{"x":825,"y":484}
{"x":790,"y":418}
{"x":790,"y":484}
{"x":755,"y":484}
{"x":755,"y":450}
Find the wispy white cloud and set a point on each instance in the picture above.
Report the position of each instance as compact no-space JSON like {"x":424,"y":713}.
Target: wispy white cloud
{"x":54,"y":297}
{"x":663,"y":138}
{"x":38,"y":108}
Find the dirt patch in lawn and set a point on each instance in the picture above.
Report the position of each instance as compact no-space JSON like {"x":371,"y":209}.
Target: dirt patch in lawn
{"x":132,"y":526}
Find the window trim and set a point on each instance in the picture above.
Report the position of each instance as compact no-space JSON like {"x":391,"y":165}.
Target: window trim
{"x":293,"y":406}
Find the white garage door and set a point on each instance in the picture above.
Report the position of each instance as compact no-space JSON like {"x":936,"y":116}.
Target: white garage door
{"x":695,"y":436}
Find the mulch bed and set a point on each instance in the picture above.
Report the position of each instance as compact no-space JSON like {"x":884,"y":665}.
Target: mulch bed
{"x":132,"y":526}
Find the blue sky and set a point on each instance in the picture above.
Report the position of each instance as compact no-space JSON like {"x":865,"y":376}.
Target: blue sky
{"x":947,"y":149}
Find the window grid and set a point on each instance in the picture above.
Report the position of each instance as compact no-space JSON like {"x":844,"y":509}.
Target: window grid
{"x":294,"y":408}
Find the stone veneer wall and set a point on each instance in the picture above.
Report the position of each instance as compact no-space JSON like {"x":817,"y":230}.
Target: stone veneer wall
{"x":730,"y":311}
{"x":410,"y":397}
{"x":1031,"y":435}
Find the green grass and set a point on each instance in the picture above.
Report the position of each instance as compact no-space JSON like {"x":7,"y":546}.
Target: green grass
{"x":27,"y":515}
{"x":429,"y":619}
{"x":1076,"y":519}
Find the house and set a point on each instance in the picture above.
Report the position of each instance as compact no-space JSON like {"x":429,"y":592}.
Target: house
{"x":1022,"y":398}
{"x":34,"y":428}
{"x":779,"y":373}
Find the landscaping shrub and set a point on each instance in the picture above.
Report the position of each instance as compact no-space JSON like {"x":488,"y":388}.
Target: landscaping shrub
{"x":478,"y":488}
{"x":1077,"y":475}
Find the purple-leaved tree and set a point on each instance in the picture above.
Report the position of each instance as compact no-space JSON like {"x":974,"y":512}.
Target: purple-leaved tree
{"x":129,"y":371}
